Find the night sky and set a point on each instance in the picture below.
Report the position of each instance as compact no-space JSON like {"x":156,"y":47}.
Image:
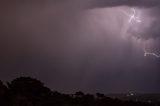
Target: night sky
{"x":82,"y":45}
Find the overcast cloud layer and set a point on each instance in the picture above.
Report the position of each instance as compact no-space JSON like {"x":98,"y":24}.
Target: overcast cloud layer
{"x":76,"y":45}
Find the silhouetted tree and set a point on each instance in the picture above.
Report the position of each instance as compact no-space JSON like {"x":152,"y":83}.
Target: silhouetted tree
{"x":88,"y":100}
{"x":29,"y":89}
{"x":3,"y":94}
{"x":79,"y":94}
{"x":99,"y":95}
{"x":3,"y":89}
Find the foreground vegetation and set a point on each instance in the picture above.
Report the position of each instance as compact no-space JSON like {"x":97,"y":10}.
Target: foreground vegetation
{"x":26,"y":91}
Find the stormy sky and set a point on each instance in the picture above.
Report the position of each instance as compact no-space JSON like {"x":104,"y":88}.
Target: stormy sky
{"x":86,"y":45}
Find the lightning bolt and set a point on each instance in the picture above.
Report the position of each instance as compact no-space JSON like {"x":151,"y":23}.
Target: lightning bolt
{"x":133,"y":17}
{"x":150,"y":53}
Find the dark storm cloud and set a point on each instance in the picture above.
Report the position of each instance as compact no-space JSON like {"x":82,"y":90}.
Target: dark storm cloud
{"x":140,"y":3}
{"x":153,"y":30}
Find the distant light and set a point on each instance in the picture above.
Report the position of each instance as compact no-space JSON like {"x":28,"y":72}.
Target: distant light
{"x":149,"y":101}
{"x":131,"y":94}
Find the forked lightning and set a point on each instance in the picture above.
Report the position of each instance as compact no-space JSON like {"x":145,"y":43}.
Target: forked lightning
{"x":133,"y":17}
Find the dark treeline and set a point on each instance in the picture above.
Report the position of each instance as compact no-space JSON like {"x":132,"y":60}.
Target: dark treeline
{"x":26,"y":91}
